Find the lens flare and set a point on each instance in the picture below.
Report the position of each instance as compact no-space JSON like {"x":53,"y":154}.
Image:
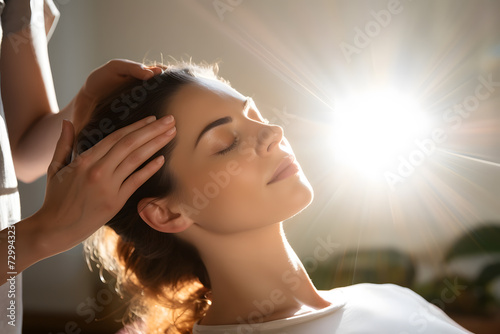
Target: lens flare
{"x":369,"y":130}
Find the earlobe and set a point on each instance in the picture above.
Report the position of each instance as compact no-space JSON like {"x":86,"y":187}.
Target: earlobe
{"x":157,"y":214}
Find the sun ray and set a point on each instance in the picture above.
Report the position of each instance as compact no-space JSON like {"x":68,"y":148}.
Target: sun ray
{"x":428,"y":54}
{"x":463,"y":156}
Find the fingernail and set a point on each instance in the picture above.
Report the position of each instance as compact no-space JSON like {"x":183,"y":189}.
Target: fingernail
{"x":150,"y":119}
{"x":159,"y":160}
{"x":168,"y":119}
{"x":171,"y":131}
{"x":65,"y":124}
{"x":156,"y":70}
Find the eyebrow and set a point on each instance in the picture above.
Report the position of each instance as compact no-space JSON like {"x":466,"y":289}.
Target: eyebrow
{"x":220,"y":121}
{"x":212,"y":125}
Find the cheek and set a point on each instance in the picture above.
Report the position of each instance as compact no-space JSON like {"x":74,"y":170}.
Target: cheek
{"x":234,"y":197}
{"x":207,"y":188}
{"x":291,"y":197}
{"x":224,"y":195}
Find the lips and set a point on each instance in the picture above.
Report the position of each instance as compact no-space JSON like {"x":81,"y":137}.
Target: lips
{"x":286,"y":168}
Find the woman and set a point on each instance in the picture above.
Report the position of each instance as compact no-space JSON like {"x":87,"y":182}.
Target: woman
{"x":200,"y":246}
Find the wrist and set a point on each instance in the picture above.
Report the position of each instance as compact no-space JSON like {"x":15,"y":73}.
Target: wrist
{"x":44,"y":241}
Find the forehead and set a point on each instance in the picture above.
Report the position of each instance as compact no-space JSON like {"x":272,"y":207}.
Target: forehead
{"x":203,"y":101}
{"x":196,"y":105}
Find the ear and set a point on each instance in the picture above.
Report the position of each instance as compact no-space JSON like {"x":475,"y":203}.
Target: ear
{"x":158,"y":214}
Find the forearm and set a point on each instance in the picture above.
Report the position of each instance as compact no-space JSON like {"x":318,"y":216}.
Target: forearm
{"x":78,"y":201}
{"x":28,"y":94}
{"x":33,"y":153}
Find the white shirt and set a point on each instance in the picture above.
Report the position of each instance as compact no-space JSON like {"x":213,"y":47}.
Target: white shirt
{"x":361,"y":308}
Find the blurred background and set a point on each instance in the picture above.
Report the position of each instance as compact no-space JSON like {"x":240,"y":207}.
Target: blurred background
{"x":392,"y":108}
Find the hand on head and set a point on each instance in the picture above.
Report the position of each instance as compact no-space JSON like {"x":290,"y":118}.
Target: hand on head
{"x":103,"y":81}
{"x":85,"y":194}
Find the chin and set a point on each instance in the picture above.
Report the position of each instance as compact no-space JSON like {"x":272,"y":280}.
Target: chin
{"x":301,"y":197}
{"x":308,"y":197}
{"x":308,"y":188}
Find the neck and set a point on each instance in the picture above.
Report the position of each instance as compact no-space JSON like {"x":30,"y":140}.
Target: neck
{"x":256,"y":276}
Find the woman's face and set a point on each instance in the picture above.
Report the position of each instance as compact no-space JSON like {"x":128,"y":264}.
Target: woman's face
{"x":234,"y":171}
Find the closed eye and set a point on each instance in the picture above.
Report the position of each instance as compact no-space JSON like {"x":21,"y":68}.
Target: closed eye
{"x":230,"y":147}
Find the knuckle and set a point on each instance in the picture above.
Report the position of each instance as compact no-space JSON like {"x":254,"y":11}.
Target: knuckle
{"x":115,"y":136}
{"x":54,"y":166}
{"x":95,"y":174}
{"x":127,"y":141}
{"x":135,"y":181}
{"x":112,"y":62}
{"x":82,"y":161}
{"x":134,"y":159}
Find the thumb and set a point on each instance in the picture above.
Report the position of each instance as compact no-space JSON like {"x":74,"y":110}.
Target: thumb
{"x":63,"y":149}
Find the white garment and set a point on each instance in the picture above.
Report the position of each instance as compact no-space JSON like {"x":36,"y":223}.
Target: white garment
{"x":357,"y":309}
{"x":15,"y":15}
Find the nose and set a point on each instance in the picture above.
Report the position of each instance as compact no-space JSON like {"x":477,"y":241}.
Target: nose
{"x":268,"y":138}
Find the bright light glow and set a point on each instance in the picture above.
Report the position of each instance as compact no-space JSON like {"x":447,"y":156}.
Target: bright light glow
{"x":371,"y":129}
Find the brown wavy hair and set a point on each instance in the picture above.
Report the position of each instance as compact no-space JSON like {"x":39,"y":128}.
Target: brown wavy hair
{"x":165,"y":276}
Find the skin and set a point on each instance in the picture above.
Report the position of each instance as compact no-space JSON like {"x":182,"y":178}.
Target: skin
{"x":239,"y":232}
{"x":83,"y":196}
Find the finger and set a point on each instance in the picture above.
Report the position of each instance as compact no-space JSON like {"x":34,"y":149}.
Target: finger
{"x":132,"y":141}
{"x":144,"y":73}
{"x":155,"y":69}
{"x":136,"y":158}
{"x":63,"y":149}
{"x":138,"y":178}
{"x":128,"y":68}
{"x":101,"y":148}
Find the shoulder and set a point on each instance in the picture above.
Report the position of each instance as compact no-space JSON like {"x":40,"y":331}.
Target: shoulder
{"x":386,"y":290}
{"x":393,"y":308}
{"x":368,"y":291}
{"x":367,"y":299}
{"x":380,"y":288}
